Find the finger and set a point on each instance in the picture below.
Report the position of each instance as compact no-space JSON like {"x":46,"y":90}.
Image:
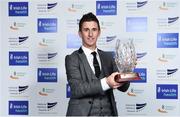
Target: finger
{"x":116,"y":87}
{"x":117,"y":84}
{"x":115,"y":73}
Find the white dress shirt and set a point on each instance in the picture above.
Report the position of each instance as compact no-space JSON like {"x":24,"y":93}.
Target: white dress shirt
{"x":89,"y":57}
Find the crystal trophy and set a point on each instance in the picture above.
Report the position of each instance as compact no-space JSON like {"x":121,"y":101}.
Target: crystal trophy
{"x":126,"y":60}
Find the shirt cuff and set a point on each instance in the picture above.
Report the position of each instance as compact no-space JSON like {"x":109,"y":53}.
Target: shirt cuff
{"x":104,"y":84}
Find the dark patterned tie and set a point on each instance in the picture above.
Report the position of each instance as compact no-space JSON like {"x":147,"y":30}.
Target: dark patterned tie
{"x":96,"y":65}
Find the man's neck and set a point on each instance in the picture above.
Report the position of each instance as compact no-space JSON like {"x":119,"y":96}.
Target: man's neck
{"x":91,"y":48}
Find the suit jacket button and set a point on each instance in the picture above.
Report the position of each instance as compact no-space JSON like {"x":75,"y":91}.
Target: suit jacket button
{"x":90,"y":102}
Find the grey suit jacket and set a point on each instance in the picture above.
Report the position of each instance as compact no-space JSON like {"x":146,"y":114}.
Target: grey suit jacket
{"x":84,"y":84}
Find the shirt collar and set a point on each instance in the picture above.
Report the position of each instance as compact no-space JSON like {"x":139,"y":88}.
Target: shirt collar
{"x":87,"y":51}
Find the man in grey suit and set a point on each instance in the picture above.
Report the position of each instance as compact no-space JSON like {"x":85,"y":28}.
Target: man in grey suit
{"x":90,"y":74}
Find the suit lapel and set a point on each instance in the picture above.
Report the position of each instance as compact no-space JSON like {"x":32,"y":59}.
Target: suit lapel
{"x":85,"y":63}
{"x":87,"y":67}
{"x":103,"y":63}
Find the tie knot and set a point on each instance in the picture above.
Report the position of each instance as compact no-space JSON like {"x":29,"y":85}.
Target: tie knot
{"x":93,"y":53}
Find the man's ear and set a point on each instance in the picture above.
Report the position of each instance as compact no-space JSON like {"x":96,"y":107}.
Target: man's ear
{"x":99,"y":33}
{"x":80,"y":35}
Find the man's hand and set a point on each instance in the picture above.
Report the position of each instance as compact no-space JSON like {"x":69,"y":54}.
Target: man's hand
{"x":111,"y":81}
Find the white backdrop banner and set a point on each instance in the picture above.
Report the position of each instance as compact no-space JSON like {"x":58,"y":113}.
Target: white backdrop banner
{"x":36,"y":35}
{"x":1,"y":87}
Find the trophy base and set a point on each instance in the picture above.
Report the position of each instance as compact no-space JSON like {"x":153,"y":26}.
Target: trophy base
{"x":130,"y":76}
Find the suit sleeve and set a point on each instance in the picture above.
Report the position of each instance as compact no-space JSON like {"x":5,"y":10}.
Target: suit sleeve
{"x":76,"y":79}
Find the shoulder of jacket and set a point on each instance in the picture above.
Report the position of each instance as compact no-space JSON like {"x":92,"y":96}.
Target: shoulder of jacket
{"x":106,"y":53}
{"x":73,"y":54}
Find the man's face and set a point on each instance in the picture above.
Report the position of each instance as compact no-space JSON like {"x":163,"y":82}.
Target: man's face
{"x":89,"y":34}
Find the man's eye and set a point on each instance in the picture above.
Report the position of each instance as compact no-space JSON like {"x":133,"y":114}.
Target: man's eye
{"x":86,"y":29}
{"x":94,"y":29}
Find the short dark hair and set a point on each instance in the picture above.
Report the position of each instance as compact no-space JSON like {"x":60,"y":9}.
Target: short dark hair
{"x":88,"y":17}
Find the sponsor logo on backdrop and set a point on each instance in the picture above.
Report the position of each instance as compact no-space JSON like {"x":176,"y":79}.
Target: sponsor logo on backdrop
{"x":73,"y":41}
{"x":47,"y":108}
{"x":167,"y":5}
{"x":19,"y":58}
{"x":168,"y":22}
{"x":165,"y":108}
{"x":136,"y":109}
{"x":166,"y":57}
{"x":47,"y":74}
{"x":47,"y":57}
{"x":15,"y":75}
{"x":47,"y":25}
{"x":18,"y":8}
{"x":172,"y":20}
{"x":72,"y":23}
{"x":106,"y":7}
{"x":15,"y":26}
{"x":134,"y":6}
{"x":133,"y":92}
{"x":18,"y":91}
{"x":141,"y":55}
{"x":68,"y":91}
{"x":136,"y":24}
{"x":106,"y":24}
{"x":18,"y":42}
{"x":18,"y":107}
{"x":110,"y":38}
{"x":141,"y":58}
{"x":46,"y":91}
{"x":142,"y":73}
{"x":46,"y":42}
{"x":107,"y":42}
{"x":166,"y":91}
{"x":107,"y":39}
{"x":46,"y":8}
{"x":75,"y":7}
{"x":167,"y":40}
{"x":166,"y":74}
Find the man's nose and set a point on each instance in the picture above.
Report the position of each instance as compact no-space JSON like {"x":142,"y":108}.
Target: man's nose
{"x":90,"y":33}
